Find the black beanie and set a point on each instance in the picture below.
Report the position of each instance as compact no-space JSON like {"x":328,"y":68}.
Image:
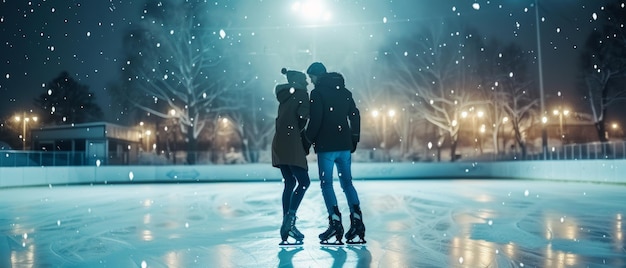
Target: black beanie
{"x":316,"y":68}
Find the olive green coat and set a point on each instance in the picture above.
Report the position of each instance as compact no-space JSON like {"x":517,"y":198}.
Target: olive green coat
{"x":293,"y":114}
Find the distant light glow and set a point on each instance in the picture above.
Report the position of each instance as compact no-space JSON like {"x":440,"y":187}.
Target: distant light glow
{"x":476,"y":6}
{"x":312,"y":10}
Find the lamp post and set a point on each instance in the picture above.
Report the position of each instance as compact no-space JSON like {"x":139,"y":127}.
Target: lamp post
{"x":141,"y":134}
{"x":474,"y":115}
{"x":560,"y":113}
{"x":25,"y":120}
{"x":170,"y":140}
{"x":544,"y":133}
{"x":391,"y":114}
{"x":145,"y":132}
{"x":148,"y":133}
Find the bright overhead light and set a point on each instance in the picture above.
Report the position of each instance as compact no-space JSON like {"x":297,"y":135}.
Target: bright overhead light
{"x":312,"y":10}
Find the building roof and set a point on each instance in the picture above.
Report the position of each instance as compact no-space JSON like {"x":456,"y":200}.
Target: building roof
{"x":92,"y":130}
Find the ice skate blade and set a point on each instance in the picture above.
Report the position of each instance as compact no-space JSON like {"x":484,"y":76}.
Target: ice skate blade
{"x":359,"y":242}
{"x":290,"y":244}
{"x":336,"y":243}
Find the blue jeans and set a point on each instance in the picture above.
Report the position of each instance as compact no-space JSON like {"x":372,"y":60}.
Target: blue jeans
{"x":326,"y":162}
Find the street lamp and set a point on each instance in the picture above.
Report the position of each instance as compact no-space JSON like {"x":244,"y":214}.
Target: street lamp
{"x":560,"y":113}
{"x":390,"y":114}
{"x":617,"y":132}
{"x":475,"y":114}
{"x":145,"y":131}
{"x":25,"y":120}
{"x":141,"y":134}
{"x":544,"y":133}
{"x":148,"y":133}
{"x":170,"y":141}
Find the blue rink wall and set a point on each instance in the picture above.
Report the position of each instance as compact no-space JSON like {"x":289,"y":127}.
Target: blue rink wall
{"x":613,"y":171}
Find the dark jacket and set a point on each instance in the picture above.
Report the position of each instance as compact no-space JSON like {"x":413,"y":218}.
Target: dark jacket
{"x":293,"y":113}
{"x":335,"y":122}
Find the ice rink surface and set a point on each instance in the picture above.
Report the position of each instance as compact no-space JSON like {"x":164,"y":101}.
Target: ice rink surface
{"x":421,"y":223}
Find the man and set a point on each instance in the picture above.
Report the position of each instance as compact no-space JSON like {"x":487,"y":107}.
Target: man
{"x":334,"y":130}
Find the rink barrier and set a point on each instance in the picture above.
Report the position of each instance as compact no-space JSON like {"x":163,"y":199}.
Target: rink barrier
{"x":609,"y":171}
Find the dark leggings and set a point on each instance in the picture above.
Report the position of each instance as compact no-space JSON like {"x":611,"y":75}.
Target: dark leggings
{"x":292,"y":195}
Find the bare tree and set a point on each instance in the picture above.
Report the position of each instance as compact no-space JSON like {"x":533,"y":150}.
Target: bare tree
{"x":67,"y":102}
{"x":378,"y":130}
{"x":254,"y":122}
{"x":506,"y":85}
{"x":174,"y":67}
{"x":434,"y":77}
{"x":603,"y":65}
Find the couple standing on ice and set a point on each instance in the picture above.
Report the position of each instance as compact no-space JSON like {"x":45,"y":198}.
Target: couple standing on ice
{"x":333,"y":130}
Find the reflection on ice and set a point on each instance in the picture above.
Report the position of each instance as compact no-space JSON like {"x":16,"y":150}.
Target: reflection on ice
{"x":410,"y":224}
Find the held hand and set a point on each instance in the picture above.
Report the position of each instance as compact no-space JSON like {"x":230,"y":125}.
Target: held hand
{"x":305,"y":143}
{"x":307,"y":146}
{"x":354,"y":144}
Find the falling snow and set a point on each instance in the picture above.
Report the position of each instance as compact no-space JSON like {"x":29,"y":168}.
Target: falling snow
{"x":235,"y":48}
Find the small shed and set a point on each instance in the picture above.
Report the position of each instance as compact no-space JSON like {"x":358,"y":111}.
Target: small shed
{"x":109,"y":143}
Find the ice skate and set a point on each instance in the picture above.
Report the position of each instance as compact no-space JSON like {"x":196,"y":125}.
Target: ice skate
{"x":335,"y":229}
{"x":357,"y":228}
{"x":288,"y":229}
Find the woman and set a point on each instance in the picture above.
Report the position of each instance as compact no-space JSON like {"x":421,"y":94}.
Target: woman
{"x":289,"y":149}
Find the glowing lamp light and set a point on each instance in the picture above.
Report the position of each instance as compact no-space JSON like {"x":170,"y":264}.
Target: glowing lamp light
{"x":312,"y":10}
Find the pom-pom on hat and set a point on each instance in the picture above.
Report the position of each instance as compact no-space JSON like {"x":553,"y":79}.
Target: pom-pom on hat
{"x":294,"y":77}
{"x":316,"y":68}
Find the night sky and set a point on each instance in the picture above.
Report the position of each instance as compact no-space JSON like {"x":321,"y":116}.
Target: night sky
{"x":40,"y":39}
